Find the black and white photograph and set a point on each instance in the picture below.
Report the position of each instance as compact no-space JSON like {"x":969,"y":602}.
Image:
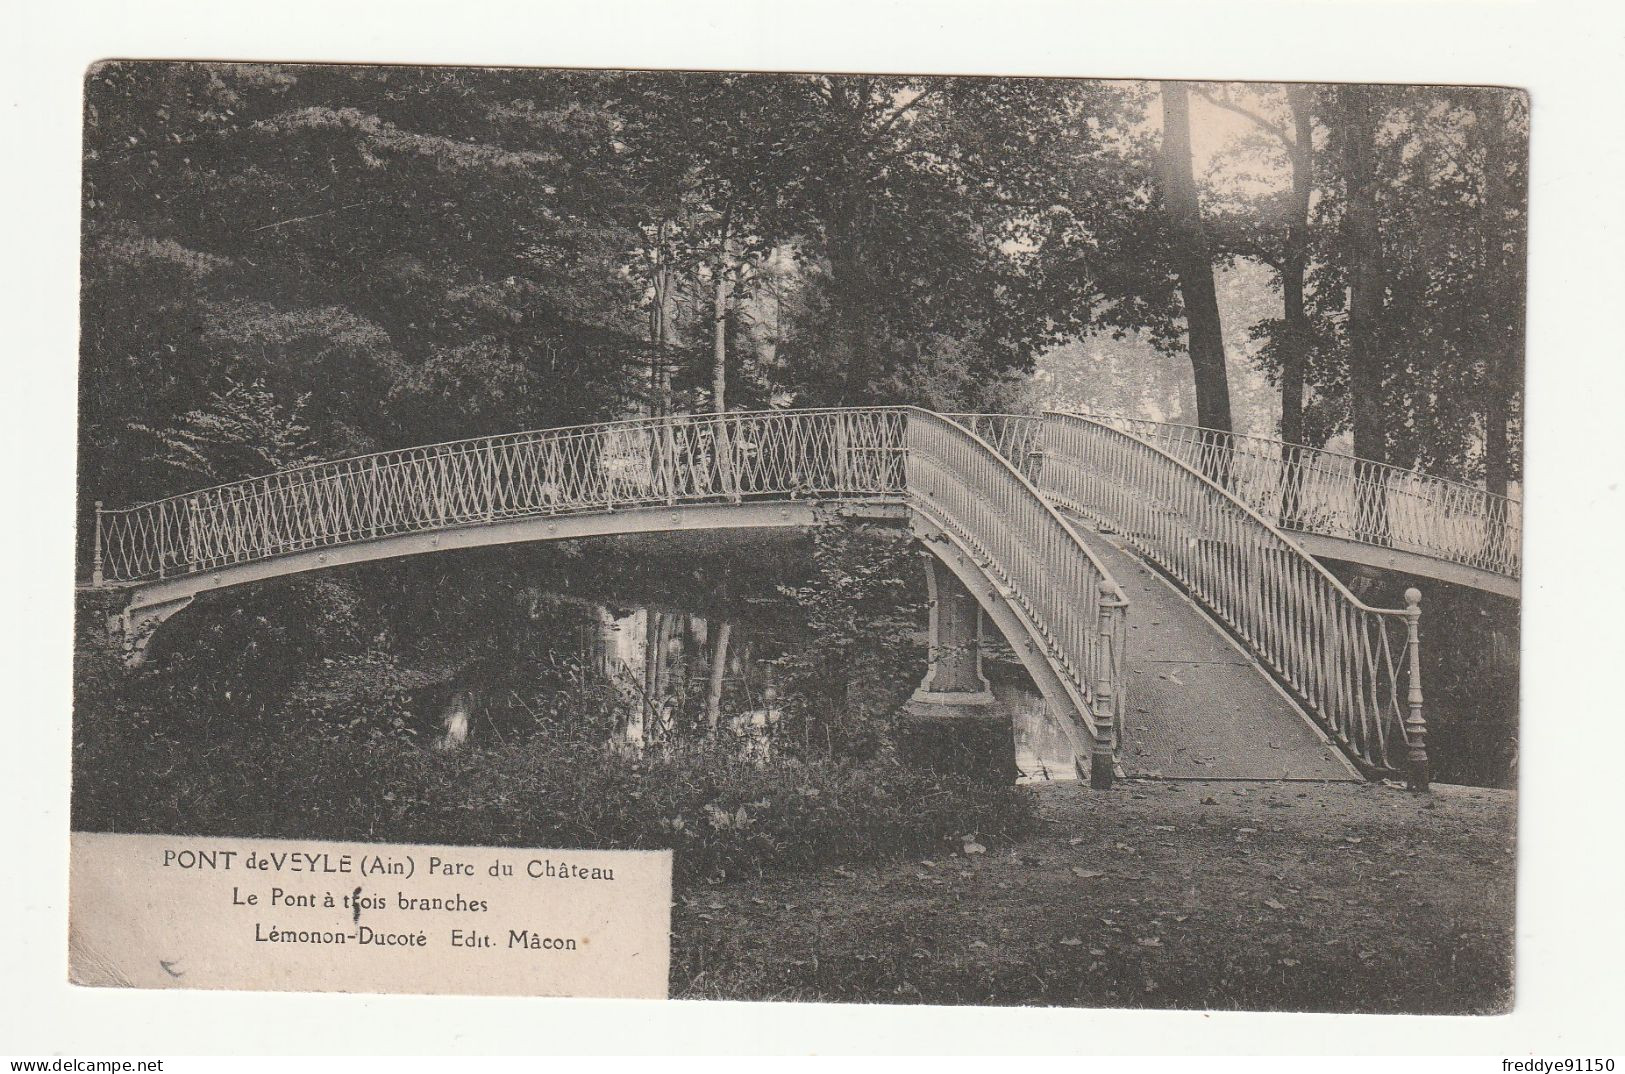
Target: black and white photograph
{"x":1014,"y":541}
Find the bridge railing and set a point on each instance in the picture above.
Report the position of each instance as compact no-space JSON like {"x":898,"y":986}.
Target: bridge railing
{"x":1357,"y":668}
{"x":1070,"y":606}
{"x":642,"y":462}
{"x":1015,"y":436}
{"x":1075,"y":607}
{"x":1323,"y":492}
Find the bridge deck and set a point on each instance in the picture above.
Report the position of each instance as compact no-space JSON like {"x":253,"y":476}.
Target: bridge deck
{"x":1198,"y":708}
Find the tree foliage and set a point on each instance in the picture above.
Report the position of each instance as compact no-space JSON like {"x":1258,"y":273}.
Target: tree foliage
{"x":1438,"y":375}
{"x":386,"y":256}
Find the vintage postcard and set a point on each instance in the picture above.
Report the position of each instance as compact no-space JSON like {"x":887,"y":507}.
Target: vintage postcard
{"x":808,"y":537}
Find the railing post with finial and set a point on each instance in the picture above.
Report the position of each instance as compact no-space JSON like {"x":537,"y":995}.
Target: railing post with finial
{"x":96,"y":549}
{"x":1416,"y":729}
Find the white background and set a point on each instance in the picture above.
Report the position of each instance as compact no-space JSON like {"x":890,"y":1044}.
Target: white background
{"x":1571,"y":55}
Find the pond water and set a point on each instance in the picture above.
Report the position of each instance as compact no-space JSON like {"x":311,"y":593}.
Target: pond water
{"x":787,"y":644}
{"x":682,"y":675}
{"x":1043,"y":752}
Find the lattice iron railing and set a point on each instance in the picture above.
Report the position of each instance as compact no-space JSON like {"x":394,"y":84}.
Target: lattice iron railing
{"x":1070,"y":605}
{"x":1310,"y":490}
{"x":1357,"y":668}
{"x":1015,"y":436}
{"x":637,"y":463}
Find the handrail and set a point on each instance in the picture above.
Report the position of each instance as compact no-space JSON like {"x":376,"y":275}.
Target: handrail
{"x":1357,"y":668}
{"x":1332,"y":494}
{"x":475,"y":441}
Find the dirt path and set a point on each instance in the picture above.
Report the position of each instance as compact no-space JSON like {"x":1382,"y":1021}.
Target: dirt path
{"x":1253,"y":896}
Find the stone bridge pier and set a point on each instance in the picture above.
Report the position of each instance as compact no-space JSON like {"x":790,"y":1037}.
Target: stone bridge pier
{"x":951,"y":724}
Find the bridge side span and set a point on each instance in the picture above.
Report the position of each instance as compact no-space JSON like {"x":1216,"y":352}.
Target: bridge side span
{"x":546,"y":473}
{"x":1057,"y":605}
{"x":151,"y":603}
{"x":1360,"y":510}
{"x":1356,"y":668}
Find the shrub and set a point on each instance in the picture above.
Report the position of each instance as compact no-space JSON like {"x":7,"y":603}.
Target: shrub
{"x":724,"y":817}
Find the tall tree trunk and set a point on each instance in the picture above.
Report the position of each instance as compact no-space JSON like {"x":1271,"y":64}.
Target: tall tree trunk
{"x":1499,"y":302}
{"x":719,"y":361}
{"x":1294,"y":268}
{"x":719,"y":328}
{"x":1295,"y":265}
{"x":659,"y":369}
{"x":1192,"y":262}
{"x":657,"y":677}
{"x":1362,"y":248}
{"x":637,"y":707}
{"x":652,"y":653}
{"x":844,"y":212}
{"x":598,"y":641}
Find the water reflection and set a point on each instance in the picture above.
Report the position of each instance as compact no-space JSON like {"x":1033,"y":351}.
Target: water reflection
{"x":1043,"y":751}
{"x":685,"y":673}
{"x":675,"y":678}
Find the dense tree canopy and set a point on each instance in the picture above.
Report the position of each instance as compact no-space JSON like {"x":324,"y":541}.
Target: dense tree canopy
{"x":1436,"y":375}
{"x":291,"y":262}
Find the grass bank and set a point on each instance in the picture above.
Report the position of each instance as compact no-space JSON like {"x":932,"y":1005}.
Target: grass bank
{"x":1336,"y":897}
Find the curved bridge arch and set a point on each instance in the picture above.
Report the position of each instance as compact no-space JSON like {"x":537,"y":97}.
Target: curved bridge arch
{"x":152,"y":602}
{"x":1060,"y":609}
